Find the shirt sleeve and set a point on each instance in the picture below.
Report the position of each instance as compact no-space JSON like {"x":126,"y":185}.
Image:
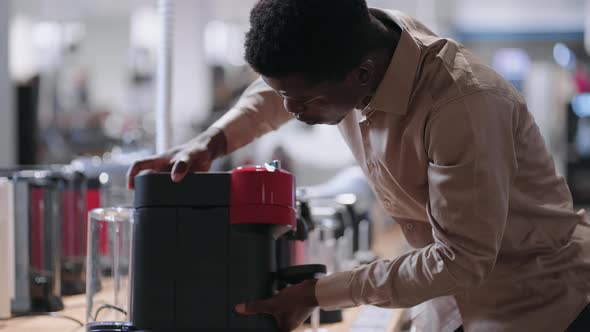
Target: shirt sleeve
{"x":470,"y":144}
{"x":258,"y":111}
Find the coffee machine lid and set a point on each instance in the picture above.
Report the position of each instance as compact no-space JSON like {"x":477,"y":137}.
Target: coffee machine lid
{"x":255,"y":194}
{"x":6,"y":173}
{"x":195,"y":190}
{"x":39,"y":177}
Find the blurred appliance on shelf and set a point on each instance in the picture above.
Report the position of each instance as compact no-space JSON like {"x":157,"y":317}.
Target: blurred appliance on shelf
{"x":37,"y":241}
{"x":6,"y":245}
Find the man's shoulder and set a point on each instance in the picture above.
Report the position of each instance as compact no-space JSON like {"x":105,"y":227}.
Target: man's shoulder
{"x":418,"y":30}
{"x":449,"y":72}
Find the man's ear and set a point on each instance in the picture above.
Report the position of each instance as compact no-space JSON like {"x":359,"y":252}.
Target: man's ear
{"x":364,"y":72}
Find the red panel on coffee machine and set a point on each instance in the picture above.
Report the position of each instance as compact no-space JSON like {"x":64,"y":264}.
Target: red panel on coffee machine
{"x":262,"y":195}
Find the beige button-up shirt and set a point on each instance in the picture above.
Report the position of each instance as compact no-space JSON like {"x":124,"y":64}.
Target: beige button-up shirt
{"x":455,"y":157}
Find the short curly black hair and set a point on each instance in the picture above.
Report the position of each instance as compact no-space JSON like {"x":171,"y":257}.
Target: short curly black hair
{"x":318,"y":39}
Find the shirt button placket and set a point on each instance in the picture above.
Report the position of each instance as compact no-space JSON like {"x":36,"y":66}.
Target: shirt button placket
{"x":364,"y":128}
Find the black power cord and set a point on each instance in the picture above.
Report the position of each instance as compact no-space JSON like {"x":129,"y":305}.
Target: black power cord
{"x":62,"y":316}
{"x":108,"y":306}
{"x":48,"y":314}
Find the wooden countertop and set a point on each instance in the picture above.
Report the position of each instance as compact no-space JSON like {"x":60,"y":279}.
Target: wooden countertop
{"x":388,"y":244}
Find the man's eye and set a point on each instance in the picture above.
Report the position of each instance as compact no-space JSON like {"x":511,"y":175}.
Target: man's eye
{"x":313,"y":101}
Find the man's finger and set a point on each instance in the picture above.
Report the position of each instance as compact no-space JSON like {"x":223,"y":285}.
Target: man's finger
{"x":137,"y":167}
{"x":179,"y":170}
{"x":253,"y":308}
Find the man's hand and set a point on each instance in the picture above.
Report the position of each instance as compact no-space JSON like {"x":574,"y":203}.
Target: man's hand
{"x":290,"y":307}
{"x":194,"y":156}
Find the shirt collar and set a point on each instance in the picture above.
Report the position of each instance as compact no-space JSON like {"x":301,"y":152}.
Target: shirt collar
{"x":394,"y":92}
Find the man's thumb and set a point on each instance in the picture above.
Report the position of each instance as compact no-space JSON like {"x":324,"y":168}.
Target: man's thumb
{"x":253,"y":308}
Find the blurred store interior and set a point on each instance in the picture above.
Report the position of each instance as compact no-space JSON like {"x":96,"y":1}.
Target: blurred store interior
{"x":81,"y":77}
{"x":78,"y":83}
{"x":80,"y":80}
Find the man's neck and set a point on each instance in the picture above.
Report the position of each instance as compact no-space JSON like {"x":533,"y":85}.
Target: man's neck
{"x":383,"y":54}
{"x":386,"y":35}
{"x":381,"y":59}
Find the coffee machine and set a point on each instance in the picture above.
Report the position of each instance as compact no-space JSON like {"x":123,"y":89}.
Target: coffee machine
{"x":73,"y":230}
{"x":206,"y":244}
{"x":37,"y":241}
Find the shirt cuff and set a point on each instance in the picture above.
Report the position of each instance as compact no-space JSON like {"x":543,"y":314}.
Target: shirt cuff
{"x":333,"y":291}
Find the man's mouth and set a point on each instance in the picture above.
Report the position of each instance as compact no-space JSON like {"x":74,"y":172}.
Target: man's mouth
{"x":302,"y":118}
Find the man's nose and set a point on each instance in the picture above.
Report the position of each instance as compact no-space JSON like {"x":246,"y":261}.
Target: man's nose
{"x":293,"y":107}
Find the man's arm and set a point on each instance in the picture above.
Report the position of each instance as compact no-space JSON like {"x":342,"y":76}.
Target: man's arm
{"x":258,"y":111}
{"x":473,"y":163}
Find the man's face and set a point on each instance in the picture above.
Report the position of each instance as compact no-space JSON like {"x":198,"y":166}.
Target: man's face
{"x":323,"y":103}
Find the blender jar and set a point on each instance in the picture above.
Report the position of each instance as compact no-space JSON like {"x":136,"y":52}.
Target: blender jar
{"x":108,"y":264}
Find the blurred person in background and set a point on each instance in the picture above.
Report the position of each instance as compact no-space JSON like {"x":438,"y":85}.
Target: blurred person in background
{"x":449,"y":148}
